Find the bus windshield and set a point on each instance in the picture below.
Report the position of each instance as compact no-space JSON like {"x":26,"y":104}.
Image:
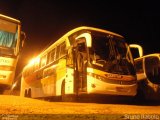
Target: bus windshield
{"x":110,"y":54}
{"x":8,"y":36}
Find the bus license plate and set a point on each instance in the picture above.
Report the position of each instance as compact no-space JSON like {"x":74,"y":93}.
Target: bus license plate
{"x":120,"y":89}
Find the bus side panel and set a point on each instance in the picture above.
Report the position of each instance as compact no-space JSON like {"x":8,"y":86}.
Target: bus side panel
{"x":53,"y":77}
{"x":7,"y":70}
{"x":69,"y":81}
{"x":35,"y":87}
{"x":49,"y":85}
{"x":61,"y":74}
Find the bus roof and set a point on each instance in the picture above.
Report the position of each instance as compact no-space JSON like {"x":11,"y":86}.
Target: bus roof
{"x":90,"y":28}
{"x":9,"y":18}
{"x":78,"y":29}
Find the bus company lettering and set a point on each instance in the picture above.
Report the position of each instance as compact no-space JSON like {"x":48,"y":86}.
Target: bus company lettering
{"x":4,"y":61}
{"x":114,"y":76}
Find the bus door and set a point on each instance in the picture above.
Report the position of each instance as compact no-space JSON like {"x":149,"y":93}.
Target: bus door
{"x":80,"y":70}
{"x":77,"y":59}
{"x":76,"y":77}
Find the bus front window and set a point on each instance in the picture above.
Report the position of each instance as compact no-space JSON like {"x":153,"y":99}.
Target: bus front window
{"x":8,"y":37}
{"x":109,"y":53}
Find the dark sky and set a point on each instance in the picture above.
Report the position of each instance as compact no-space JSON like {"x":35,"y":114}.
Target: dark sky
{"x":44,"y":21}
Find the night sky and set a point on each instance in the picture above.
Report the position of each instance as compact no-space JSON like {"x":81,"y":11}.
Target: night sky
{"x":44,"y":21}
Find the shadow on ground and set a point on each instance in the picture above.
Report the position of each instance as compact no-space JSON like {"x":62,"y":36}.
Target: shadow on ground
{"x":100,"y":99}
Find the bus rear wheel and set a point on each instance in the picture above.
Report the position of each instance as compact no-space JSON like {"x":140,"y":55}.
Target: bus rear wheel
{"x":27,"y":93}
{"x":63,"y":91}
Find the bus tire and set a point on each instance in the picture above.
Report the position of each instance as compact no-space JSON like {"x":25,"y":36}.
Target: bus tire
{"x":25,"y":93}
{"x":140,"y":96}
{"x":29,"y":93}
{"x":63,"y":91}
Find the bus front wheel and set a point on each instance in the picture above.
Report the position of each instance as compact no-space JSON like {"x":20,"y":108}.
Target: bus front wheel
{"x":63,"y":91}
{"x":25,"y":93}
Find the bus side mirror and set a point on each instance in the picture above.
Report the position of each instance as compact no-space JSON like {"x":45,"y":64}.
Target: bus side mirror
{"x":22,"y":39}
{"x":88,"y":38}
{"x":138,"y":47}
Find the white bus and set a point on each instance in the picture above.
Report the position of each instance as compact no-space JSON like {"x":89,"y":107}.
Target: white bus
{"x":10,"y":46}
{"x":85,"y":60}
{"x":148,"y":74}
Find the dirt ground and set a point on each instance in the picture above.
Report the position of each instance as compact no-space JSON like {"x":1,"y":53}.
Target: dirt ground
{"x":20,"y":108}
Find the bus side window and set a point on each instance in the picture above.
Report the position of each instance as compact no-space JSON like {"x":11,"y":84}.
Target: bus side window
{"x":43,"y":61}
{"x":139,"y":66}
{"x":57,"y":52}
{"x":62,"y":49}
{"x":70,"y":58}
{"x":51,"y":56}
